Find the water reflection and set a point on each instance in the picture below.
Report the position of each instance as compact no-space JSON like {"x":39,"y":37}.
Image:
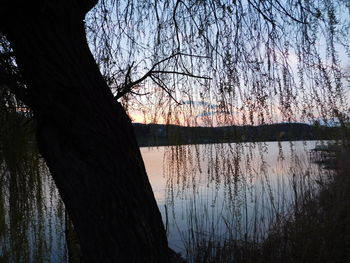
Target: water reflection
{"x":31,"y":213}
{"x":217,"y":192}
{"x":206,"y":193}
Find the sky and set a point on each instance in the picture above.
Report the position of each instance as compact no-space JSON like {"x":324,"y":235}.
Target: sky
{"x":244,"y":87}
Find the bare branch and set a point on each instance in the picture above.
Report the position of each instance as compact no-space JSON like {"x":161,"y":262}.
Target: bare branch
{"x":288,"y":14}
{"x":262,"y":13}
{"x":139,"y":94}
{"x":128,"y":84}
{"x":164,"y":87}
{"x":176,"y":25}
{"x":180,"y":73}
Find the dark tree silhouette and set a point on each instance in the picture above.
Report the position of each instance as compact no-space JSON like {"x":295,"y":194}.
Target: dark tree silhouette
{"x":85,"y":135}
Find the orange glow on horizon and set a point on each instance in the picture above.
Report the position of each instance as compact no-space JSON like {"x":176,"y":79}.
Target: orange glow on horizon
{"x":214,"y":119}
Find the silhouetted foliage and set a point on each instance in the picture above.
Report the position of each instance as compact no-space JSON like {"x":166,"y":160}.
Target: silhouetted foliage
{"x":208,"y":63}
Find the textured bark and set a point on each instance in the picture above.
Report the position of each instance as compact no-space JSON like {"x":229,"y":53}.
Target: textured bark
{"x":86,"y":138}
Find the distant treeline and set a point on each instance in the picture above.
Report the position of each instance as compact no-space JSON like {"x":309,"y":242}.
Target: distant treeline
{"x":159,"y":134}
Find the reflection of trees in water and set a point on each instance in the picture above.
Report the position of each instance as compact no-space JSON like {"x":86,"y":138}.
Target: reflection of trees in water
{"x":31,"y":212}
{"x":235,"y":191}
{"x":224,"y":191}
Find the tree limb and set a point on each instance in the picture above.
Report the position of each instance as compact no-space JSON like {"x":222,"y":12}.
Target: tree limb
{"x":129,"y":84}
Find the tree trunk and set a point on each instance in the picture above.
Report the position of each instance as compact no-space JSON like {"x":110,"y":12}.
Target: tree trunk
{"x":85,"y":137}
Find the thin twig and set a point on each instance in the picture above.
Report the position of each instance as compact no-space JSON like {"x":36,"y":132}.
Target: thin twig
{"x":262,"y":13}
{"x":288,"y":14}
{"x":163,"y":87}
{"x":180,"y":73}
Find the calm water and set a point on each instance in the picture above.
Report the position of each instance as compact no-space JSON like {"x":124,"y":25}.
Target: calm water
{"x":223,"y":191}
{"x":209,"y":192}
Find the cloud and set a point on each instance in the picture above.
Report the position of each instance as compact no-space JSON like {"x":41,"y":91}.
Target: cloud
{"x":200,"y":103}
{"x":209,"y":113}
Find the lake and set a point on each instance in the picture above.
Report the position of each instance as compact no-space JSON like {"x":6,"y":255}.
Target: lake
{"x":206,"y":193}
{"x":215,"y":192}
